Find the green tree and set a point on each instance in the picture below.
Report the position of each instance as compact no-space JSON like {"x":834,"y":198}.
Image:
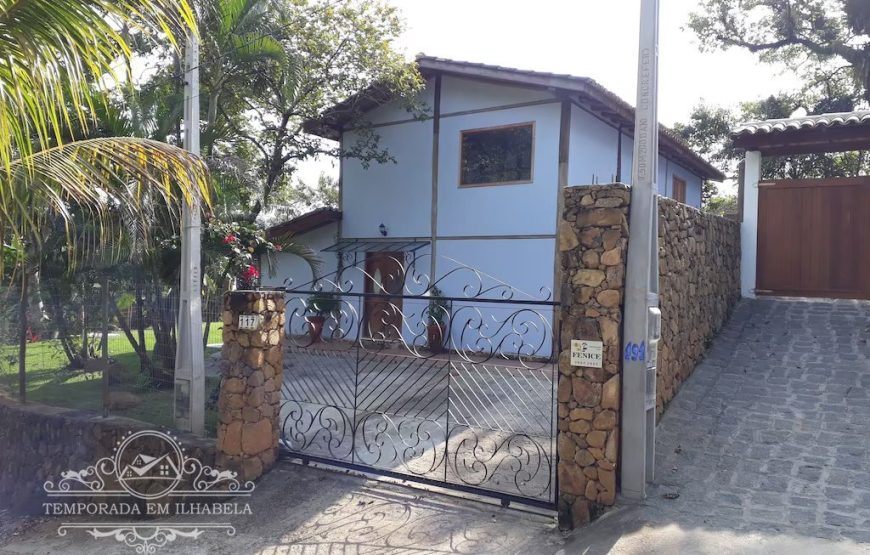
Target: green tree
{"x":61,"y":176}
{"x":827,"y":37}
{"x":724,"y":205}
{"x":334,"y":50}
{"x":709,"y":132}
{"x":58,"y":64}
{"x":303,"y":197}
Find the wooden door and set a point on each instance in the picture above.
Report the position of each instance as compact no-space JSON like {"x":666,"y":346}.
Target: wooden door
{"x":383,"y":314}
{"x":813,"y":238}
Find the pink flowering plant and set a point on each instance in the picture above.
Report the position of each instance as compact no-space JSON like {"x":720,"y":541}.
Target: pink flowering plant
{"x":238,"y":250}
{"x":244,"y":247}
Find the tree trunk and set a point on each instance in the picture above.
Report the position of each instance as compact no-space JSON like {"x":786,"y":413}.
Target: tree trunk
{"x":140,"y":308}
{"x":163,"y":323}
{"x":138,"y":347}
{"x":63,"y":329}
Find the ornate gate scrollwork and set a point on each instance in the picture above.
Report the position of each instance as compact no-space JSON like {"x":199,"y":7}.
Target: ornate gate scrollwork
{"x":455,"y":389}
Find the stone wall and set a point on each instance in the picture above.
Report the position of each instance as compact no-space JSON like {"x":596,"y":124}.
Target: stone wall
{"x":699,"y":284}
{"x":38,"y":443}
{"x":699,"y":267}
{"x":251,"y":374}
{"x":593,"y":236}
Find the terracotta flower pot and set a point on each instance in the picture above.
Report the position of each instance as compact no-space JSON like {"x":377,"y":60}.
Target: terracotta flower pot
{"x":315,"y":327}
{"x":435,"y":334}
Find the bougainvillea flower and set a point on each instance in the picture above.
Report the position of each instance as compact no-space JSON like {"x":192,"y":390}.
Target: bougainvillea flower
{"x":251,"y":272}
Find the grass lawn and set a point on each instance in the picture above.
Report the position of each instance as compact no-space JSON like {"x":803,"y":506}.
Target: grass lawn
{"x":50,"y":382}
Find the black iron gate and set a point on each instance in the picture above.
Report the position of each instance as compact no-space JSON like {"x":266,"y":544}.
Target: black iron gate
{"x":405,"y":380}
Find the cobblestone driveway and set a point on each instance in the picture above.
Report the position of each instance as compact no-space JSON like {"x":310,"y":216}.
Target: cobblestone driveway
{"x":772,"y":431}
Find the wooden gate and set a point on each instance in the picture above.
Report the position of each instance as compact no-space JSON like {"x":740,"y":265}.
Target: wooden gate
{"x":814,"y":238}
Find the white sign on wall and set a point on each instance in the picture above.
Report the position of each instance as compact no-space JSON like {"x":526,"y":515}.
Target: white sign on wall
{"x":250,"y":321}
{"x":587,"y":353}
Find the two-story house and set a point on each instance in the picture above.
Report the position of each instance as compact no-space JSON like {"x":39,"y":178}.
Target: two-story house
{"x":478,"y":181}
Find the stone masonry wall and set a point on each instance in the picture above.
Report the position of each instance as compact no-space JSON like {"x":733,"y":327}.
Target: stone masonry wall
{"x":39,"y":442}
{"x":251,"y":375}
{"x":699,"y":284}
{"x":593,"y":236}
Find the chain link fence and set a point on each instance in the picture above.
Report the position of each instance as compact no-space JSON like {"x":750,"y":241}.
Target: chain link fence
{"x":102,"y":347}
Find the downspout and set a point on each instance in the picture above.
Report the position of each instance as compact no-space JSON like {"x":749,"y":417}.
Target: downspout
{"x":564,"y":146}
{"x":618,"y":178}
{"x":339,"y":263}
{"x":436,"y":130}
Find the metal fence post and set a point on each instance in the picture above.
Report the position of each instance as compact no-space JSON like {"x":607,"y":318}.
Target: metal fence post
{"x":22,"y":338}
{"x":105,"y":345}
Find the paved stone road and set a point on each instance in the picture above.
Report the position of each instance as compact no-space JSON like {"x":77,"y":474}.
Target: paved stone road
{"x":772,"y":431}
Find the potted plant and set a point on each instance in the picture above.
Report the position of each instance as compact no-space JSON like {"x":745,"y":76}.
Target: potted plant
{"x":436,"y":330}
{"x":320,"y":306}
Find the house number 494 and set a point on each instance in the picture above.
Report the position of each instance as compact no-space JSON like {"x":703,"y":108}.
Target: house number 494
{"x":633,"y":351}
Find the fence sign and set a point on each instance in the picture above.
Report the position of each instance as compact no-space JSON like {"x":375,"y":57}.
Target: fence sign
{"x":250,"y":321}
{"x":587,"y":353}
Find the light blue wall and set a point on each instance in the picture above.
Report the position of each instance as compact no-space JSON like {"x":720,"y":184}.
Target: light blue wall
{"x":397,"y":111}
{"x":519,"y":209}
{"x":526,"y":265}
{"x":293,"y":271}
{"x":399,"y":194}
{"x":592,"y":150}
{"x":499,"y":259}
{"x":667,"y":170}
{"x":458,"y":94}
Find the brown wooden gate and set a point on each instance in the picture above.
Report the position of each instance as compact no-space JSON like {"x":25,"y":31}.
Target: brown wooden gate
{"x":814,"y":238}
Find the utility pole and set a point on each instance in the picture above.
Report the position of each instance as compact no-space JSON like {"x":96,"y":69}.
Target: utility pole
{"x":642,"y":327}
{"x":189,"y":366}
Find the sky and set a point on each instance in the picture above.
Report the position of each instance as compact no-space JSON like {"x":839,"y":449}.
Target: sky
{"x":590,"y":38}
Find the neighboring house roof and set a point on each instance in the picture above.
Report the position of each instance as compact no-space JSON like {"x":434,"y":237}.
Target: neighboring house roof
{"x":820,"y":121}
{"x":835,"y":132}
{"x":585,"y":92}
{"x":305,"y":223}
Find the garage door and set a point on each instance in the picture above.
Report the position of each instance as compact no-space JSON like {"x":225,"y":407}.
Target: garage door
{"x":814,"y":238}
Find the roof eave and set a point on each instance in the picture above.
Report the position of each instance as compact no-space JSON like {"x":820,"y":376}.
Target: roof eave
{"x":602,"y":101}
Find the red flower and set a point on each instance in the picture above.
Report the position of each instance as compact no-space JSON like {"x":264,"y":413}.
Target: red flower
{"x":229,"y":239}
{"x":251,"y":273}
{"x":278,"y":248}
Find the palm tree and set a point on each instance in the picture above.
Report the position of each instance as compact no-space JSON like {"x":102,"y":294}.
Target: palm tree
{"x":58,"y":61}
{"x":57,"y":66}
{"x":234,"y":42}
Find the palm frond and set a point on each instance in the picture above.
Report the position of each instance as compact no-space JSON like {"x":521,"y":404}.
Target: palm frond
{"x":255,"y":46}
{"x":111,"y":180}
{"x":51,"y":51}
{"x":289,"y":246}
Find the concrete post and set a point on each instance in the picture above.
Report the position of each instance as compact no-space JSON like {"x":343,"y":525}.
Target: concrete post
{"x":189,"y":365}
{"x":251,"y":376}
{"x":749,"y":225}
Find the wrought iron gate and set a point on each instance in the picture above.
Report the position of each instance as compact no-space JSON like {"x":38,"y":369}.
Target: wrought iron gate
{"x":398,"y":378}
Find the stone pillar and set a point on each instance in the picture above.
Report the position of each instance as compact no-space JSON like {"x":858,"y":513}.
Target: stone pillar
{"x":593,"y":238}
{"x":251,"y":375}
